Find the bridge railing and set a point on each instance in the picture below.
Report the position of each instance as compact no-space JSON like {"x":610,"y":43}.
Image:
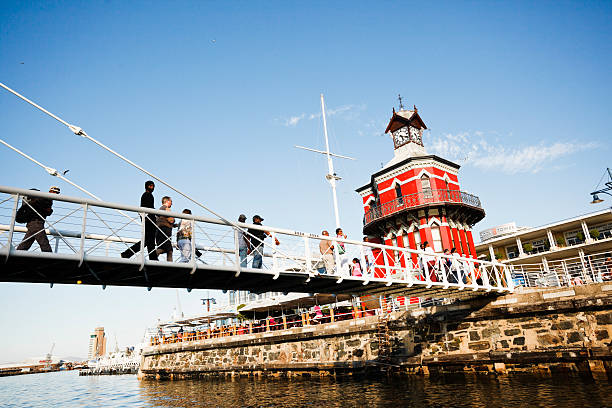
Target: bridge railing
{"x":84,"y":230}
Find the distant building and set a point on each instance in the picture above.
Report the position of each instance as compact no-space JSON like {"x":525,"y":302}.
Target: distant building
{"x":578,"y":237}
{"x":97,"y":343}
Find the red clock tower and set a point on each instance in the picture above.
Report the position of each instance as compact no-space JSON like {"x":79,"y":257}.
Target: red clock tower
{"x":416,"y":196}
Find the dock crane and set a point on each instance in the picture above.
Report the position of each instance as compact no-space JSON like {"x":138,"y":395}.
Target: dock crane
{"x":49,"y":358}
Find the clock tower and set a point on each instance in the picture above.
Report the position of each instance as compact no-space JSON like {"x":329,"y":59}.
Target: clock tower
{"x":416,"y":197}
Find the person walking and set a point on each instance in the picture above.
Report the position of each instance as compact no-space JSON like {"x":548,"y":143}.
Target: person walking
{"x":256,"y":239}
{"x":326,"y":248}
{"x":39,"y":210}
{"x":243,"y":243}
{"x":183,"y":237}
{"x":147,"y":201}
{"x":163,"y":236}
{"x":429,"y":261}
{"x":342,"y":257}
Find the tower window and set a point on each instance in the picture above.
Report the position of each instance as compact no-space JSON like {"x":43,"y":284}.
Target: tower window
{"x":398,"y":193}
{"x":437,"y":238}
{"x":426,"y":186}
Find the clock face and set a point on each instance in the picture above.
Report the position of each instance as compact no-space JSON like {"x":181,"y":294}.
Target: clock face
{"x":416,"y":135}
{"x":401,"y":136}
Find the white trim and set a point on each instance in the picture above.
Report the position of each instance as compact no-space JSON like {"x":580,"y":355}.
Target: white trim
{"x":414,"y":178}
{"x":418,"y":164}
{"x":434,"y":220}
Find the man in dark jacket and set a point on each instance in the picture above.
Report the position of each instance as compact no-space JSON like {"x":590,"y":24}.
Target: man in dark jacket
{"x":147,"y":201}
{"x":40,"y":209}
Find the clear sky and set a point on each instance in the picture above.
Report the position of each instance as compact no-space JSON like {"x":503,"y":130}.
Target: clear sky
{"x":212,"y":96}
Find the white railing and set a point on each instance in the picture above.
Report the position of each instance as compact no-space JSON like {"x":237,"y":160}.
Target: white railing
{"x":89,"y":230}
{"x":580,"y":270}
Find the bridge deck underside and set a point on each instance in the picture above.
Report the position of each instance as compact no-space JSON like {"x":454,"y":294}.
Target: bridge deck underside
{"x":118,"y":272}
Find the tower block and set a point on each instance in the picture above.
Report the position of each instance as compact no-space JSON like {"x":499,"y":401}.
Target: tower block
{"x":416,"y":197}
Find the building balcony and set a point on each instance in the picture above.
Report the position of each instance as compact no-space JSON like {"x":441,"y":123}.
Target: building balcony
{"x":460,"y":205}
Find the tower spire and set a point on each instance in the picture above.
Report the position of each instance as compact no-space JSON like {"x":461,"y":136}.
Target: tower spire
{"x":401,"y":105}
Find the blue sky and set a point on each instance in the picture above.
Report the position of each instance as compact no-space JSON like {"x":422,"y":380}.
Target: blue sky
{"x":213,"y":97}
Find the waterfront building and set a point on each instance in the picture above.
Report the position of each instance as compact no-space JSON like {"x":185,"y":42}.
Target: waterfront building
{"x":97,"y":343}
{"x":416,"y":197}
{"x":576,"y":248}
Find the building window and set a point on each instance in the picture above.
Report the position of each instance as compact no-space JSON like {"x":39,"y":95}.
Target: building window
{"x":512,"y":252}
{"x":437,"y":238}
{"x":539,"y":246}
{"x":573,"y":238}
{"x":426,"y":186}
{"x":398,"y":193}
{"x":605,"y":231}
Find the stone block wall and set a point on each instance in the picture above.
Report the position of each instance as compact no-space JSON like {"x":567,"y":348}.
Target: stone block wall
{"x":545,"y":330}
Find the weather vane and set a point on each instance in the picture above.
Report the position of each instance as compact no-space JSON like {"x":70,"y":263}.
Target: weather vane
{"x":401,"y":105}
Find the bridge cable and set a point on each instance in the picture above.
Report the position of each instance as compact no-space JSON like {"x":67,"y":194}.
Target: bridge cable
{"x":55,"y":173}
{"x":80,"y":132}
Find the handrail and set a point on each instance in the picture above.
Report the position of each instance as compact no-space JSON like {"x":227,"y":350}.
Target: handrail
{"x":425,"y":197}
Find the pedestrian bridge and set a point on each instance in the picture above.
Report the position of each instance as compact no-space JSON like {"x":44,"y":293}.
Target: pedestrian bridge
{"x":87,"y":237}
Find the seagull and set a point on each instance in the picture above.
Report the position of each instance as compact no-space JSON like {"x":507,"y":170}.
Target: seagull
{"x":64,"y":172}
{"x":213,"y":41}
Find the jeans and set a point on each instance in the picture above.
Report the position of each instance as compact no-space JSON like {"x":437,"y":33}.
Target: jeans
{"x":257,"y":256}
{"x":243,"y":256}
{"x":185,"y":248}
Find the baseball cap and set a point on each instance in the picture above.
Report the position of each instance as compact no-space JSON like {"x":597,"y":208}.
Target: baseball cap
{"x":256,"y":217}
{"x":242,"y":218}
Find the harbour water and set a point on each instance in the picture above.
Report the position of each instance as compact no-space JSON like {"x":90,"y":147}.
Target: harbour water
{"x":68,"y":389}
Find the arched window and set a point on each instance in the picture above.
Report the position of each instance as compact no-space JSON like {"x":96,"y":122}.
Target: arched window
{"x":426,"y":186}
{"x":398,"y":193}
{"x":437,"y":238}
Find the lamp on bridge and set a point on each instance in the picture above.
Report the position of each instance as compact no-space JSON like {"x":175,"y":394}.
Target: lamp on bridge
{"x":606,"y":190}
{"x":207,"y":302}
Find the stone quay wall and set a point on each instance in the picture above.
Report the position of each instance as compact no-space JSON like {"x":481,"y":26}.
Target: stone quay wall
{"x":535,"y":330}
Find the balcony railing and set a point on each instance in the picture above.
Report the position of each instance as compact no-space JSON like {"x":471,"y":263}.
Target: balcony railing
{"x":418,"y":199}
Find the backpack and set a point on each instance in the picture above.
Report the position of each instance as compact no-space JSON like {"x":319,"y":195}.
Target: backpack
{"x":24,"y":213}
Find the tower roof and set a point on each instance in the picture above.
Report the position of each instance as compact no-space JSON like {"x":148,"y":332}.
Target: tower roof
{"x":403,"y":118}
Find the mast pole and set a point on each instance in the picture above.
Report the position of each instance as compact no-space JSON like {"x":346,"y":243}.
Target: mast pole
{"x":331,"y":177}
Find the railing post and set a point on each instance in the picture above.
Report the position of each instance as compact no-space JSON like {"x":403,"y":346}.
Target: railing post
{"x":308,"y":255}
{"x":193,"y":247}
{"x":509,"y":280}
{"x":284,"y":322}
{"x":426,"y":271}
{"x":386,"y":261}
{"x":9,"y":244}
{"x":472,"y":271}
{"x":408,"y":262}
{"x":484,"y":275}
{"x":274,"y":254}
{"x":143,"y":217}
{"x":237,"y":251}
{"x":567,"y":275}
{"x":57,"y":241}
{"x":82,"y":249}
{"x":445,"y":270}
{"x":331,"y":314}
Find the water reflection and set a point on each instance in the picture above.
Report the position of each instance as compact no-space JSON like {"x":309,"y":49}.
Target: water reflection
{"x":460,"y":391}
{"x":70,"y":390}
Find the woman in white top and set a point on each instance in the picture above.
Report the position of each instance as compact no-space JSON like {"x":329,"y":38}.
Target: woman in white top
{"x":429,"y":261}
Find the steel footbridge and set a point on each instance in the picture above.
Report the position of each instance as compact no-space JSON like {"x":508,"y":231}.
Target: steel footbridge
{"x":87,"y":237}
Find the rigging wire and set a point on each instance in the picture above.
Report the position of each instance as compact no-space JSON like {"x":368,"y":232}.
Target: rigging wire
{"x":53,"y":172}
{"x":80,"y":132}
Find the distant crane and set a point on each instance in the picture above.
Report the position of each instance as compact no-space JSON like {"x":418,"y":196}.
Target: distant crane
{"x":49,"y":358}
